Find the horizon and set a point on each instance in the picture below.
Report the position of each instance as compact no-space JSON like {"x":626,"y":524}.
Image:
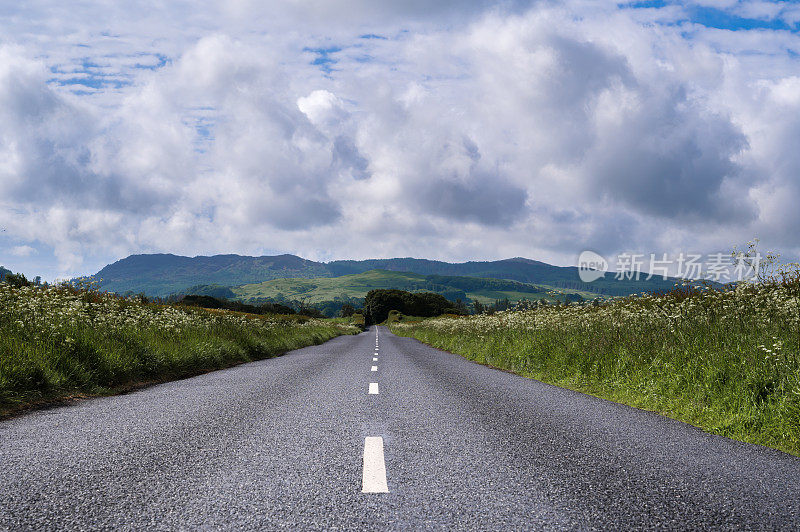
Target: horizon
{"x":293,"y":255}
{"x":459,"y":131}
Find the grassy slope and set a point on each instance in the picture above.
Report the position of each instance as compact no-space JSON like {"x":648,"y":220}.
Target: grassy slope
{"x":726,"y":363}
{"x":327,"y":288}
{"x":357,"y":285}
{"x":490,"y":296}
{"x":56,"y":343}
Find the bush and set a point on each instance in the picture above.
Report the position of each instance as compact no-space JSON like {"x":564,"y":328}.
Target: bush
{"x":379,"y":303}
{"x":17,"y":280}
{"x":205,"y":301}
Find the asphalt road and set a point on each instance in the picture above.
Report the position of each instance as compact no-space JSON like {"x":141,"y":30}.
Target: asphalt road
{"x":281,"y":444}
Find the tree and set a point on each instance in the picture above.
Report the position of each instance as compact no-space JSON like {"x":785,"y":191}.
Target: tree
{"x":347,"y":310}
{"x":501,"y":304}
{"x":378,"y":303}
{"x":17,"y":280}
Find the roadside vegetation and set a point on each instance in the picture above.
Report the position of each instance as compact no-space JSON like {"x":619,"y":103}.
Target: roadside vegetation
{"x":727,"y":360}
{"x":60,"y":341}
{"x":379,"y":303}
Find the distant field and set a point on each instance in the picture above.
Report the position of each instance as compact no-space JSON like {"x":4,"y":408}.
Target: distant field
{"x":329,"y":288}
{"x":490,"y":296}
{"x":358,"y":285}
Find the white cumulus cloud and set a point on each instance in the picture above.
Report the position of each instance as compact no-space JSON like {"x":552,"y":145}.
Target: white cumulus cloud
{"x":453,"y":131}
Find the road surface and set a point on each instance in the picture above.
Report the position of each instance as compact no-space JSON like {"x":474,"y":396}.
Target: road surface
{"x":401,"y":436}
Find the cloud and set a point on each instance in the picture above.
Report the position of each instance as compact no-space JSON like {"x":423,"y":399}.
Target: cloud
{"x":643,"y":160}
{"x":481,"y":198}
{"x":484,"y":129}
{"x":22,"y":251}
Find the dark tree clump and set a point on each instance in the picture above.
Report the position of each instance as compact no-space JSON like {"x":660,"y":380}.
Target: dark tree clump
{"x":378,"y":303}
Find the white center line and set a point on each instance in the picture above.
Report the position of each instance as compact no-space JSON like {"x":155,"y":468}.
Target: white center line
{"x":374,"y":368}
{"x":373,"y":388}
{"x":373,"y":479}
{"x":374,"y":359}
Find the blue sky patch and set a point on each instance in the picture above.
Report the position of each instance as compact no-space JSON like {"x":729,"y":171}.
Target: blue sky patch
{"x":162,"y":60}
{"x":717,"y":18}
{"x":91,"y":82}
{"x":324,"y":59}
{"x":643,"y":5}
{"x":712,"y":17}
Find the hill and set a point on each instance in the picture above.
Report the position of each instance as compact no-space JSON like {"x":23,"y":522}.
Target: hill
{"x":517,"y":269}
{"x":163,"y":275}
{"x":357,"y":286}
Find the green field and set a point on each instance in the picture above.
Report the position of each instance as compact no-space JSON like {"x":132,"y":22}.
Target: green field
{"x":358,"y":285}
{"x":329,"y":288}
{"x":490,"y":296}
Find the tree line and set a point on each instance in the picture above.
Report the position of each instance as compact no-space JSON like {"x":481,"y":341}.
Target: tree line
{"x":379,"y":303}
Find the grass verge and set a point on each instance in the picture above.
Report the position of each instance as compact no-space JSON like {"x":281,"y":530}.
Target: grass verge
{"x":58,"y":342}
{"x":724,"y":361}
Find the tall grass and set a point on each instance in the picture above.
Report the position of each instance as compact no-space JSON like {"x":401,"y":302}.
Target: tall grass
{"x":726,"y":361}
{"x":58,"y":341}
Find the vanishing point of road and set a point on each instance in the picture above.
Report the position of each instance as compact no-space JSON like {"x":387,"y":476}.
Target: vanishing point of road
{"x":379,"y":432}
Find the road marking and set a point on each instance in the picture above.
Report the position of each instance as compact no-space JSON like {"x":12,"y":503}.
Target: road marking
{"x":374,"y":368}
{"x":374,"y":359}
{"x":373,"y":388}
{"x":373,"y":479}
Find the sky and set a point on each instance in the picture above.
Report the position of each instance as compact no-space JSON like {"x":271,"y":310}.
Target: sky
{"x":469,"y":130}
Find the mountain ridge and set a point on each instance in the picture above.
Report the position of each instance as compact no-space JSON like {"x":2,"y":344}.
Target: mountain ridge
{"x":164,"y":274}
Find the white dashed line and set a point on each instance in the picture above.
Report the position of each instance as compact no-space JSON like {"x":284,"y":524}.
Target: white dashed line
{"x":373,"y":388}
{"x":374,"y":359}
{"x":374,"y":368}
{"x":373,"y":479}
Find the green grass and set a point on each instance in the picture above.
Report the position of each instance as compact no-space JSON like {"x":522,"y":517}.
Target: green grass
{"x":358,"y":285}
{"x":328,"y":288}
{"x":396,"y":316}
{"x":488,"y":297}
{"x":58,"y":342}
{"x":728,"y":362}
